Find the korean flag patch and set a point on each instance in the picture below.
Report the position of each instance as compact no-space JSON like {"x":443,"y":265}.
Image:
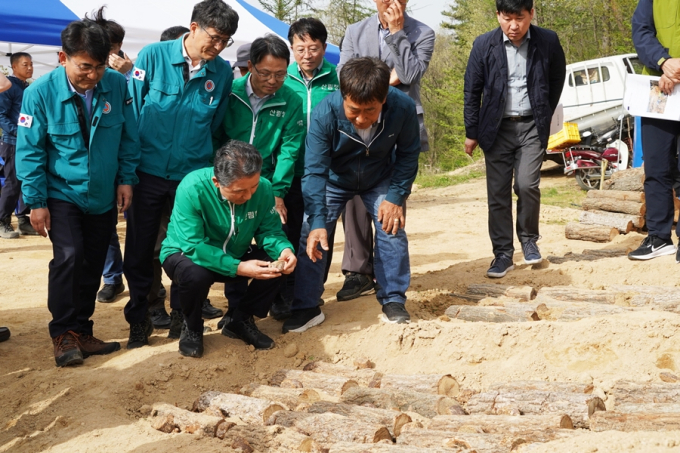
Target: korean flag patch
{"x":25,"y":120}
{"x":138,"y":74}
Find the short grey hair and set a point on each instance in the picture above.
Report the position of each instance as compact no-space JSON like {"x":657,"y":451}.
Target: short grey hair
{"x":236,"y":160}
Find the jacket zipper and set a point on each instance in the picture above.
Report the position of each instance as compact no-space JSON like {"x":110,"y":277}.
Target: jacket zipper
{"x":231,"y":230}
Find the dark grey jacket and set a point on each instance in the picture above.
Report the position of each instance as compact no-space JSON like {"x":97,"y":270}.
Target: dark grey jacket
{"x":486,"y":83}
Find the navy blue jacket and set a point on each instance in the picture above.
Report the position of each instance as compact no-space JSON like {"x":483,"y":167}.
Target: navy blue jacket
{"x":10,"y":106}
{"x":335,"y":154}
{"x":647,"y":46}
{"x":486,"y":83}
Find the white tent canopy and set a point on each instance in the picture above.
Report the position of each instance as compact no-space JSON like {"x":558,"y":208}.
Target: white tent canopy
{"x":29,"y":26}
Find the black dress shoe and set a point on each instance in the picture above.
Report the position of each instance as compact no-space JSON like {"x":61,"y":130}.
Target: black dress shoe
{"x":280,"y":309}
{"x":160,"y":318}
{"x":4,"y":334}
{"x":210,"y":312}
{"x":190,"y":343}
{"x":176,"y":322}
{"x":108,"y":292}
{"x":247,"y":331}
{"x":162,"y":292}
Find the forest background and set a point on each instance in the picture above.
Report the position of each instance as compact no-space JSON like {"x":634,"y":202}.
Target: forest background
{"x":587,"y":29}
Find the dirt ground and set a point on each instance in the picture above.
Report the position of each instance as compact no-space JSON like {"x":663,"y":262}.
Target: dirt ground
{"x":96,"y":407}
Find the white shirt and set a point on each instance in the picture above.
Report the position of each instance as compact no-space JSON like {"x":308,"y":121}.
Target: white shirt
{"x":368,"y":133}
{"x":87,"y":97}
{"x":255,"y":101}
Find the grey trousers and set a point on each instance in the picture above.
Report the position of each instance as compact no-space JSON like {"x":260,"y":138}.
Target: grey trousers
{"x":517,"y":150}
{"x":358,"y":226}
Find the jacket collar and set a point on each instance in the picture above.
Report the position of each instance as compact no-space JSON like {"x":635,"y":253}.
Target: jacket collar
{"x":65,"y":93}
{"x":294,"y":71}
{"x":177,"y":56}
{"x":408,"y":22}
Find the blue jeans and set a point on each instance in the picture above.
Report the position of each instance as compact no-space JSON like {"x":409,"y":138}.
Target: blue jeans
{"x":113,"y":268}
{"x":391,"y":262}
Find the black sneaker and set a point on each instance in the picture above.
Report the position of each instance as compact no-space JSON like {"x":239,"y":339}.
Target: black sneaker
{"x":108,"y":292}
{"x":247,"y":331}
{"x":160,"y":318}
{"x":4,"y":334}
{"x":139,"y":334}
{"x":532,"y":255}
{"x":280,"y":309}
{"x":25,"y":227}
{"x":356,"y":285}
{"x":226,"y":319}
{"x":652,"y":247}
{"x":191,"y":343}
{"x":6,"y":230}
{"x":162,"y":292}
{"x":210,"y":312}
{"x":176,"y":322}
{"x":395,"y":313}
{"x":500,"y":266}
{"x":301,"y":320}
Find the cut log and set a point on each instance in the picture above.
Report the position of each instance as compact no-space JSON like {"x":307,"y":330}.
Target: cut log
{"x":425,"y":404}
{"x":587,"y":255}
{"x":614,"y":205}
{"x":440,"y":384}
{"x":648,"y":408}
{"x":500,"y":424}
{"x":362,"y":377}
{"x":525,"y":293}
{"x":253,"y":411}
{"x":292,"y":398}
{"x":624,"y":195}
{"x":572,"y":294}
{"x":592,"y":233}
{"x":329,"y":428}
{"x":272,"y":439}
{"x":632,"y":179}
{"x":625,"y":223}
{"x":617,"y":421}
{"x":511,"y":312}
{"x":575,"y":311}
{"x":346,"y":447}
{"x":393,"y":420}
{"x":655,"y":297}
{"x":627,"y":392}
{"x":169,"y":418}
{"x":535,"y":397}
{"x":333,"y":385}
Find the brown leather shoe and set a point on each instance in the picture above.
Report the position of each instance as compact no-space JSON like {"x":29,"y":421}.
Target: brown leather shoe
{"x":66,"y":350}
{"x":90,"y":345}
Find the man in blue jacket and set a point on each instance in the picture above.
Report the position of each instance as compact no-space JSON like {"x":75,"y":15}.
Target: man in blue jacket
{"x":77,"y":152}
{"x":513,"y":82}
{"x":363,"y":140}
{"x":180,"y":92}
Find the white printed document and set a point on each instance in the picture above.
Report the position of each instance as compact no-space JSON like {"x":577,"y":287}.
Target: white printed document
{"x":644,"y":98}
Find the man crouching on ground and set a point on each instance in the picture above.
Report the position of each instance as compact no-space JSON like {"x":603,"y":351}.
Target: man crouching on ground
{"x":217,"y":214}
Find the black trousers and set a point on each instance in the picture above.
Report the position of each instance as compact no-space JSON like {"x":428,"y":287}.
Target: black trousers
{"x":660,"y":147}
{"x":295,"y":206}
{"x":11,"y":191}
{"x":144,"y":219}
{"x":193,"y":283}
{"x":79,"y":245}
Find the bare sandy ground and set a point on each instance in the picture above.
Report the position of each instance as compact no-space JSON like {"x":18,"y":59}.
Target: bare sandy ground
{"x":96,"y":407}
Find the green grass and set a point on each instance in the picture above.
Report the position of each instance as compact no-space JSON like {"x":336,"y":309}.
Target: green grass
{"x":444,"y":180}
{"x":568,"y":195}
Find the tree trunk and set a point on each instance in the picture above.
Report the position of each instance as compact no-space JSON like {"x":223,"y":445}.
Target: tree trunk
{"x":533,"y":397}
{"x":425,"y":404}
{"x":347,"y":447}
{"x":440,"y":384}
{"x":651,"y":297}
{"x":571,"y":294}
{"x":627,"y":392}
{"x":624,"y":195}
{"x":328,"y":428}
{"x":511,"y":312}
{"x":333,"y":385}
{"x":393,"y":420}
{"x":289,"y":397}
{"x":614,"y":205}
{"x":254,"y":411}
{"x":592,"y":233}
{"x":632,"y":179}
{"x":168,"y":419}
{"x":525,"y":293}
{"x":575,"y":311}
{"x":500,"y":424}
{"x":272,"y":439}
{"x":625,"y":223}
{"x":616,"y":421}
{"x":363,"y":377}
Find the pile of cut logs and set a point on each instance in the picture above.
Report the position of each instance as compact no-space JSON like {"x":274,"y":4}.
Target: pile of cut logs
{"x":618,"y":208}
{"x":336,"y":409}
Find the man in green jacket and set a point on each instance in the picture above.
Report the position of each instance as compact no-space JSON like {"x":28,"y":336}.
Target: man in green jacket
{"x":312,"y":77}
{"x":77,"y":151}
{"x":218,"y":212}
{"x":180,"y":90}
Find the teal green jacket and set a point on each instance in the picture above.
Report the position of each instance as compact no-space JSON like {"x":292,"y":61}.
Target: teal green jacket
{"x":175,"y":119}
{"x":277,"y":131}
{"x":52,"y":159}
{"x":201,"y":225}
{"x":324,"y":83}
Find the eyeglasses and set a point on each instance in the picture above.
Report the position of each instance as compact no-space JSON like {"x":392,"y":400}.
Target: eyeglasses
{"x":280,"y":77}
{"x":302,"y":51}
{"x":88,"y":68}
{"x":217,"y":40}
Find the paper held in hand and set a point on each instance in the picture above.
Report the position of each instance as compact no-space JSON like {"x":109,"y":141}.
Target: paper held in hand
{"x":644,"y":98}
